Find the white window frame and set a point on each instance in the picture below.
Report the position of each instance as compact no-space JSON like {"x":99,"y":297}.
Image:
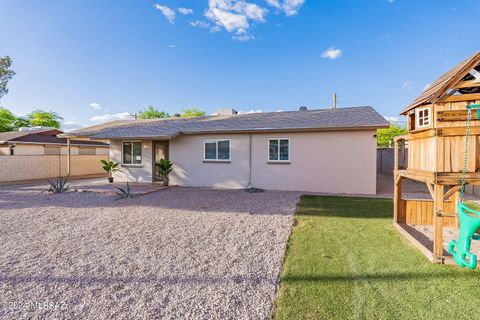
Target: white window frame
{"x":216,"y":145}
{"x":427,"y":120}
{"x":289,"y":150}
{"x":141,"y":153}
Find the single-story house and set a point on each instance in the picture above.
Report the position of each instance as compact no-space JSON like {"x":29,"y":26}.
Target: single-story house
{"x":327,"y":150}
{"x":44,"y":141}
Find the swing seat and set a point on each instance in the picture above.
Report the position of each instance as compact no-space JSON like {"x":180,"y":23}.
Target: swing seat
{"x":460,"y":249}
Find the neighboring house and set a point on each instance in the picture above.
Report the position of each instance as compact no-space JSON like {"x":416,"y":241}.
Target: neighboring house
{"x":38,"y":153}
{"x":331,"y":150}
{"x":44,"y":141}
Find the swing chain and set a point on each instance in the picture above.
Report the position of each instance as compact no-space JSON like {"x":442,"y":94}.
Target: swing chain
{"x":465,"y":158}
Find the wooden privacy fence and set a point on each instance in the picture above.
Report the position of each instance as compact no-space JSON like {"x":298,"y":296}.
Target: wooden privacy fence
{"x":18,"y":168}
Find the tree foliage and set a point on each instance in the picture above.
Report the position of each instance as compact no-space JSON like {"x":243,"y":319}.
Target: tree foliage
{"x":152,"y":113}
{"x":44,"y":119}
{"x":5,"y":74}
{"x":7,"y":120}
{"x":192,"y":112}
{"x":385,"y":136}
{"x":10,"y":122}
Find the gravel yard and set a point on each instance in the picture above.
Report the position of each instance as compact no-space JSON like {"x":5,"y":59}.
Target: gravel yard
{"x":179,"y":253}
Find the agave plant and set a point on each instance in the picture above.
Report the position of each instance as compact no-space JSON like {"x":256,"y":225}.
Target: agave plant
{"x":110,"y":167}
{"x":58,"y":185}
{"x":126,"y":193}
{"x":164,"y":168}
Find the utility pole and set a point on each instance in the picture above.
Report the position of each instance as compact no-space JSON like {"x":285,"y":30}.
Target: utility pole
{"x":334,"y":105}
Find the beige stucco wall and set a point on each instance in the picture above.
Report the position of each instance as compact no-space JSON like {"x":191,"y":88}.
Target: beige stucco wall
{"x":28,"y":150}
{"x":38,"y":149}
{"x":136,"y":173}
{"x":186,"y":152}
{"x":21,"y":167}
{"x":330,"y":162}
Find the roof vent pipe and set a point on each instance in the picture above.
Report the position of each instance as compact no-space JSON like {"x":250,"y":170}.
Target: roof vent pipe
{"x":303,"y":108}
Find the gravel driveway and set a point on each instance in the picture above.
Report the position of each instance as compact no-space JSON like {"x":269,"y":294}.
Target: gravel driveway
{"x":179,"y":253}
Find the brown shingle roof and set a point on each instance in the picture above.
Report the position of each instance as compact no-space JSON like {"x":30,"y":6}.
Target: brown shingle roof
{"x":324,"y":119}
{"x":445,"y":82}
{"x":43,"y":138}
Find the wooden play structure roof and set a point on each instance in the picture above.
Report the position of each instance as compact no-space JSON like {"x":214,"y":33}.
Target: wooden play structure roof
{"x":448,"y":80}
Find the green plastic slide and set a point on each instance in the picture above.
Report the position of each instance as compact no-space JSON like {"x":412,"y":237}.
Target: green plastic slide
{"x":469,"y":223}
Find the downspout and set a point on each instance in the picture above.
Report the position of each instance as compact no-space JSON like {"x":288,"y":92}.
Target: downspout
{"x":249,"y":185}
{"x":68,"y":157}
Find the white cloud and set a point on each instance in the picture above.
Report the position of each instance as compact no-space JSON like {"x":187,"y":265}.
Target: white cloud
{"x":290,"y":7}
{"x":95,"y":106}
{"x":408,"y":84}
{"x":110,"y":117}
{"x":392,"y":119}
{"x":243,"y":37}
{"x":185,"y":11}
{"x":251,"y":111}
{"x":332,"y":53}
{"x":235,"y":16}
{"x":166,"y":11}
{"x":426,"y":87}
{"x":172,"y":46}
{"x":69,"y":125}
{"x":205,"y":25}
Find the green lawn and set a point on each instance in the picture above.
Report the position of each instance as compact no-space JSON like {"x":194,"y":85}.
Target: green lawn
{"x":345,"y":260}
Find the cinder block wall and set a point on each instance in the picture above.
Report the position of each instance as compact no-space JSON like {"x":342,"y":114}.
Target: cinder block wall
{"x":20,"y":168}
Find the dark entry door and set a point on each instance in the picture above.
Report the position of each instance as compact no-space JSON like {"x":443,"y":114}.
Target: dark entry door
{"x":160,"y":151}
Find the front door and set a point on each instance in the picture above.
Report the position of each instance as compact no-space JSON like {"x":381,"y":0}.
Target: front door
{"x":160,"y":151}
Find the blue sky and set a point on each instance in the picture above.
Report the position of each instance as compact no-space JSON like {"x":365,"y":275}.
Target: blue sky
{"x":99,"y":60}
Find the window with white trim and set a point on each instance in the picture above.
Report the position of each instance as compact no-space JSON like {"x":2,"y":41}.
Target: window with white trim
{"x":216,"y":150}
{"x":423,"y":117}
{"x":131,"y":152}
{"x":279,"y":150}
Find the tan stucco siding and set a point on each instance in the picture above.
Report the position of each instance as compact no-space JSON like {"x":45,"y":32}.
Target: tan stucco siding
{"x":28,"y":150}
{"x":332,"y":162}
{"x":39,"y":149}
{"x":329,"y":162}
{"x":134,"y":173}
{"x":187,"y":154}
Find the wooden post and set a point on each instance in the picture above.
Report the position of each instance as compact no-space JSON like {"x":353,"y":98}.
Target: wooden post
{"x":438,"y":209}
{"x":68,"y":157}
{"x":397,"y":184}
{"x":397,"y":195}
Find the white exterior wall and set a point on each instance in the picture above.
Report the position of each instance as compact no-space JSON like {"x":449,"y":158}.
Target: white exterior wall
{"x":329,"y":162}
{"x":133,"y":173}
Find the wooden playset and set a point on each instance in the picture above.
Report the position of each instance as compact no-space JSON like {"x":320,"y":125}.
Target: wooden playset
{"x":443,"y":152}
